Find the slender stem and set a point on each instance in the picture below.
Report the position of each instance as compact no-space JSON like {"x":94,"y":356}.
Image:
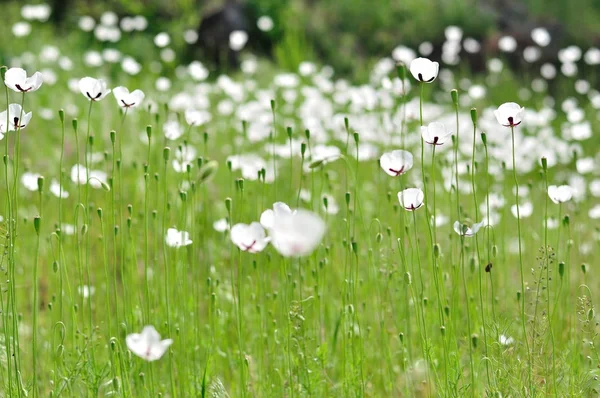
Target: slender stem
{"x":476,"y":203}
{"x":514,"y":166}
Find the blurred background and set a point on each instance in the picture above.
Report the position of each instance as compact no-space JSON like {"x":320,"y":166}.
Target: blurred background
{"x":349,"y":35}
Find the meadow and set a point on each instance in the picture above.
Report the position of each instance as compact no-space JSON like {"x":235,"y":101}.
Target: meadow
{"x":169,"y":230}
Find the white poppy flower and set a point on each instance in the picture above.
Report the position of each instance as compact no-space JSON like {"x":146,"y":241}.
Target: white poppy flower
{"x":172,"y":130}
{"x":249,"y":238}
{"x":16,"y":79}
{"x":560,"y":194}
{"x":525,"y":210}
{"x":177,"y":238}
{"x":237,"y":40}
{"x":184,"y":156}
{"x":505,"y":340}
{"x":147,"y":345}
{"x":435,"y":133}
{"x":79,"y":174}
{"x":197,"y":118}
{"x":509,"y":114}
{"x":397,"y":162}
{"x":57,"y":190}
{"x":465,"y":230}
{"x":221,"y":225}
{"x":424,"y":70}
{"x":97,"y":179}
{"x":267,"y":216}
{"x":411,"y":198}
{"x":93,"y":89}
{"x":125,"y":99}
{"x":86,"y":291}
{"x":17,"y":118}
{"x":297,"y":233}
{"x":30,"y":181}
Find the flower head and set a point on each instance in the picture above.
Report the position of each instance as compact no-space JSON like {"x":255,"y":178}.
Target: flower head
{"x":147,"y":345}
{"x":93,"y":89}
{"x":249,"y":238}
{"x":435,"y":133}
{"x":125,"y":99}
{"x":411,"y":198}
{"x":177,"y":238}
{"x":560,"y":194}
{"x":267,"y":217}
{"x":396,"y":163}
{"x":16,"y":79}
{"x":509,"y":114}
{"x":424,"y":70}
{"x":17,"y":118}
{"x":465,"y":230}
{"x":296,"y":233}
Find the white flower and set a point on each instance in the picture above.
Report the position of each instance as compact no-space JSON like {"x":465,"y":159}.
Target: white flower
{"x":221,"y":225}
{"x":125,"y":99}
{"x":411,"y":198}
{"x":424,"y":70}
{"x":172,"y":130}
{"x":297,"y":233}
{"x":147,"y":345}
{"x":237,"y":40}
{"x":30,"y":181}
{"x":267,"y":216}
{"x":435,"y":133}
{"x":249,"y":238}
{"x":396,"y":163}
{"x":16,"y":79}
{"x":86,"y":291}
{"x":509,"y":114}
{"x":332,"y":206}
{"x":93,"y":89}
{"x":57,"y":190}
{"x":177,"y":238}
{"x":505,"y":340}
{"x":184,"y":157}
{"x":560,"y":194}
{"x":465,"y":230}
{"x":525,"y":210}
{"x":17,"y":118}
{"x":197,"y":118}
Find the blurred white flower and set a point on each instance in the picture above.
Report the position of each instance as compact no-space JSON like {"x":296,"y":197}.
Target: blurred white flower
{"x":237,"y":40}
{"x":465,"y":230}
{"x":30,"y":181}
{"x":162,"y":39}
{"x":57,"y":190}
{"x":297,"y":233}
{"x":175,"y":238}
{"x":560,"y":194}
{"x":265,"y":23}
{"x":147,"y":345}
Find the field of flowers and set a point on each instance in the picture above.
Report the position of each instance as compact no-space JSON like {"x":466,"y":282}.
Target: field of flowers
{"x":169,"y":230}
